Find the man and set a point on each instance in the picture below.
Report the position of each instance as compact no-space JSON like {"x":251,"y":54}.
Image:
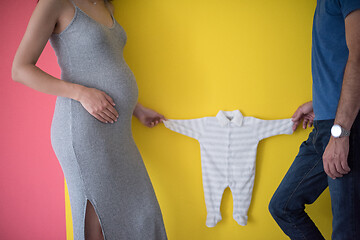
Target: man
{"x":330,"y":157}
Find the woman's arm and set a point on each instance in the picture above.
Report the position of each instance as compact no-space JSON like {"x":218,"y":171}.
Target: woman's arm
{"x":24,"y":70}
{"x":40,"y":27}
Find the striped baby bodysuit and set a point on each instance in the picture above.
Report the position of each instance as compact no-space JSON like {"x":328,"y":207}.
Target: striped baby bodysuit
{"x":228,"y":144}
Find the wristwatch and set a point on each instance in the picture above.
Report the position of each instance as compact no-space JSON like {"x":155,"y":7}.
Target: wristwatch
{"x":337,"y":131}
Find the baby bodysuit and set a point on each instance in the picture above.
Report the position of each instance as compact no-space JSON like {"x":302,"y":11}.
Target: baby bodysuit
{"x":228,"y":144}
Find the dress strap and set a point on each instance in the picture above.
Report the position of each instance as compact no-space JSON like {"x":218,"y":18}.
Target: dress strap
{"x":72,"y":1}
{"x":107,"y":5}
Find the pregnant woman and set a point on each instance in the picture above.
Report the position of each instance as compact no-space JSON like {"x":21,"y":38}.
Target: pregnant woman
{"x":110,"y":191}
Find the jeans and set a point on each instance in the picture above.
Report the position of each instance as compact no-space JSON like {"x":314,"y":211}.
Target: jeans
{"x":306,"y":180}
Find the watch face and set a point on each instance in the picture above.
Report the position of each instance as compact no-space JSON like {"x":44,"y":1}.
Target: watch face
{"x":336,"y":131}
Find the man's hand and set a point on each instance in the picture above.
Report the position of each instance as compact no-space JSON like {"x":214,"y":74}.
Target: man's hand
{"x":306,"y":113}
{"x":335,"y":157}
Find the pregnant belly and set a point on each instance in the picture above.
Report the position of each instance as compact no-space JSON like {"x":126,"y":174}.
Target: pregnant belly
{"x":72,"y":123}
{"x":117,"y":80}
{"x":121,"y":88}
{"x":94,"y":145}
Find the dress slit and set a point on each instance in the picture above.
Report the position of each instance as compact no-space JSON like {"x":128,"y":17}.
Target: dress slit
{"x":88,"y":201}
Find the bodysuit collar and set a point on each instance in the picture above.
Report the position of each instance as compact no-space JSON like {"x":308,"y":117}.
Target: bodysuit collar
{"x":225,"y":117}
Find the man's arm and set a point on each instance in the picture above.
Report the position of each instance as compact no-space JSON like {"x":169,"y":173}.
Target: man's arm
{"x":336,"y":152}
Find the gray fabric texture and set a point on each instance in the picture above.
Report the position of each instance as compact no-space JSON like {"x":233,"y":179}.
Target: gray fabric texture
{"x":100,"y":161}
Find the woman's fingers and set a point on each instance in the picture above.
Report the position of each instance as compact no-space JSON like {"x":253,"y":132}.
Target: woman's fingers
{"x":106,"y":117}
{"x":109,"y":115}
{"x":99,"y":105}
{"x":112,"y":111}
{"x":108,"y":112}
{"x":153,"y":122}
{"x":109,"y":99}
{"x":162,"y":118}
{"x":100,"y":118}
{"x":109,"y":109}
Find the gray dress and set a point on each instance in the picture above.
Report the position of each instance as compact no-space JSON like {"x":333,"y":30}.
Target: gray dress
{"x":100,"y":161}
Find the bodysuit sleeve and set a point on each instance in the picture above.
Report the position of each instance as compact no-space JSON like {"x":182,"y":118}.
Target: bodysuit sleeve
{"x":190,"y":127}
{"x":268,"y":128}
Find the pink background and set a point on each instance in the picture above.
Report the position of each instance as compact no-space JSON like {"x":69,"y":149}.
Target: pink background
{"x":32,"y":204}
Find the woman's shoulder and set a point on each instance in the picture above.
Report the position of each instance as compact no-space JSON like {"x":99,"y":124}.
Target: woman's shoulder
{"x":58,"y":13}
{"x":57,"y":3}
{"x":55,"y":6}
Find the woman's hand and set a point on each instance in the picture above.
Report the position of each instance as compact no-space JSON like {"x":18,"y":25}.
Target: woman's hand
{"x":98,"y":104}
{"x":147,"y":116}
{"x":306,"y":113}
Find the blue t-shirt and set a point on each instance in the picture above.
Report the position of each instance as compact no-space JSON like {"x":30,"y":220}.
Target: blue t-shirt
{"x":329,"y":54}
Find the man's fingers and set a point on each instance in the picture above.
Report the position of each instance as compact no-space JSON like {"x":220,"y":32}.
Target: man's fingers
{"x":345,"y":166}
{"x":329,"y":170}
{"x":311,"y":122}
{"x":297,"y":115}
{"x":333,"y":172}
{"x":326,"y":169}
{"x":295,"y":125}
{"x":340,"y":169}
{"x":305,"y":121}
{"x":309,"y":119}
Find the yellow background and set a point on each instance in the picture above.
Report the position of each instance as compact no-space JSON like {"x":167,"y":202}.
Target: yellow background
{"x":192,"y":58}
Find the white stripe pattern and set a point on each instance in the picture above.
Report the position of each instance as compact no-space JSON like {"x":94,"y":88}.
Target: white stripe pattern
{"x":228,"y":144}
